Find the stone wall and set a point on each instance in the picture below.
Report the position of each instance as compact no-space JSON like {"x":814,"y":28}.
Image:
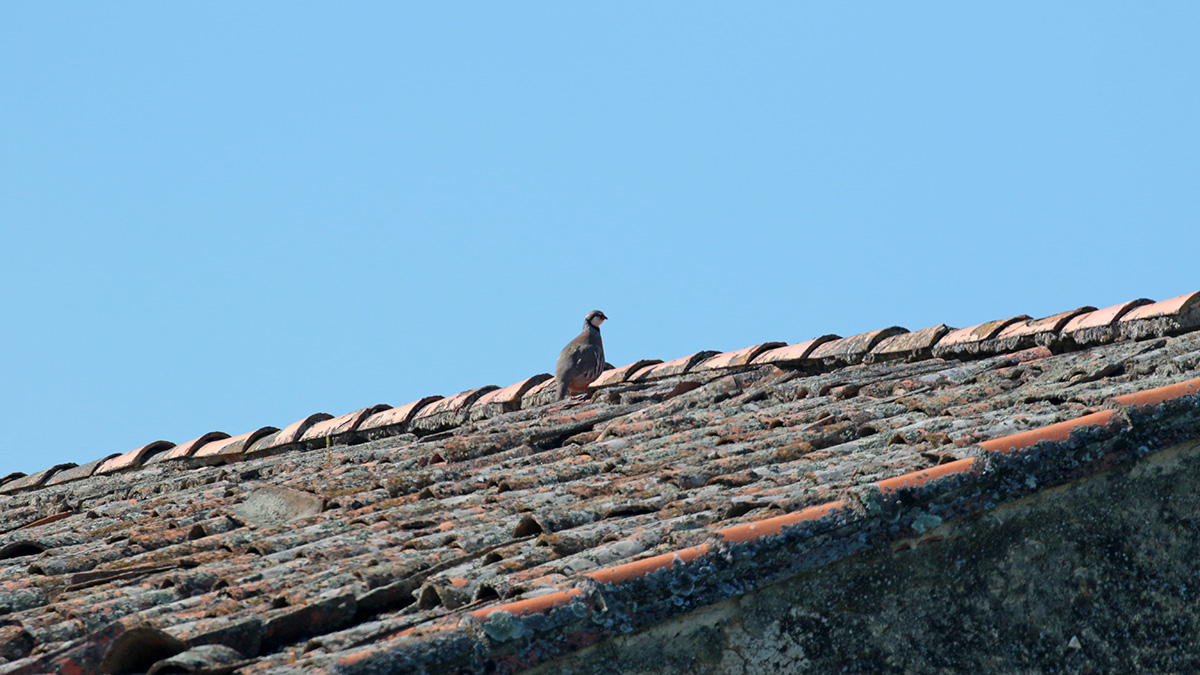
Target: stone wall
{"x":1100,"y":575}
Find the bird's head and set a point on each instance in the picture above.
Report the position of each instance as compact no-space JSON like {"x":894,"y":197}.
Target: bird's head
{"x":595,"y":318}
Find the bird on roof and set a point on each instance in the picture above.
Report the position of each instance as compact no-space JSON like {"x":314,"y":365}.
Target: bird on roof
{"x":580,"y":362}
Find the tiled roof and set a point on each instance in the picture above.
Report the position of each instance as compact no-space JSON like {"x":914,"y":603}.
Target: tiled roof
{"x":492,"y":531}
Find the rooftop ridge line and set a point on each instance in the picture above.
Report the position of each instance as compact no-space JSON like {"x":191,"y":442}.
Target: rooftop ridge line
{"x":1133,"y":320}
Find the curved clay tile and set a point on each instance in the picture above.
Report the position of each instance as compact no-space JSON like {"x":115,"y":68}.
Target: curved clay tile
{"x":673,"y":367}
{"x":1098,"y":327}
{"x":81,"y":471}
{"x":394,"y":421}
{"x":910,"y":346}
{"x":448,"y":412}
{"x":285,"y":437}
{"x":336,"y":429}
{"x":737,"y":358}
{"x":619,"y":375}
{"x":797,"y":353}
{"x":136,"y":457}
{"x":968,"y":341}
{"x":34,"y":480}
{"x":851,"y":350}
{"x":1167,"y":317}
{"x":508,"y":399}
{"x":230,"y":449}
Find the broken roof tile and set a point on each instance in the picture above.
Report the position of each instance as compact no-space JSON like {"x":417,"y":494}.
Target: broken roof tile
{"x":851,"y":350}
{"x":336,"y":429}
{"x":796,"y":353}
{"x":1163,"y":318}
{"x":737,"y":358}
{"x":507,"y":399}
{"x":912,"y":346}
{"x":280,"y":440}
{"x":134,"y":458}
{"x":972,"y":340}
{"x":179,"y":451}
{"x":1098,"y":327}
{"x":620,"y":375}
{"x":230,"y":449}
{"x":448,"y":412}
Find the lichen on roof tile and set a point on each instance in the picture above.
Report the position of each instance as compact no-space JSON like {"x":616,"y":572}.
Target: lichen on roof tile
{"x":448,"y":412}
{"x":793,"y":353}
{"x":291,"y":434}
{"x":330,"y":430}
{"x":737,"y":358}
{"x":1098,"y":327}
{"x":1167,"y":317}
{"x":914,"y":345}
{"x":973,"y":340}
{"x":621,"y":374}
{"x":512,"y":538}
{"x":230,"y":449}
{"x":183,"y":450}
{"x":671,"y":368}
{"x":853,"y":349}
{"x":506,"y":399}
{"x":81,"y":471}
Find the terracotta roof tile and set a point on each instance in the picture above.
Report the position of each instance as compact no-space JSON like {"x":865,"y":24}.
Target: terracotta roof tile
{"x":33,"y":480}
{"x":1054,"y":432}
{"x":173,"y":453}
{"x":851,"y":350}
{"x":448,"y":412}
{"x":620,"y":375}
{"x":513,"y":538}
{"x":135,"y":458}
{"x":798,"y":352}
{"x":540,"y":394}
{"x":292,"y":433}
{"x":394,"y":420}
{"x":671,"y":368}
{"x":1150,"y":397}
{"x":1026,"y":334}
{"x":336,"y":429}
{"x":737,"y":358}
{"x":973,"y":339}
{"x":1097,"y":327}
{"x":507,"y":399}
{"x":1167,"y":317}
{"x":232,"y":448}
{"x":915,"y":345}
{"x":81,"y":471}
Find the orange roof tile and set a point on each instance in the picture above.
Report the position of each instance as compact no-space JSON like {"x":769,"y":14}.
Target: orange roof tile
{"x":737,"y":358}
{"x":793,"y":353}
{"x":527,"y":527}
{"x":619,"y":375}
{"x":854,"y":348}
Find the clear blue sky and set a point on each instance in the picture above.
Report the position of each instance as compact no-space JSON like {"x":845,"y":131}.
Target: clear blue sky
{"x":221,"y":216}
